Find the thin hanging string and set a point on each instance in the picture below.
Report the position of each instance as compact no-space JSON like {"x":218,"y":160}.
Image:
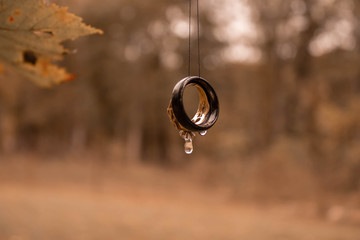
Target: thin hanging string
{"x":198,"y":37}
{"x":198,"y":33}
{"x":189,"y":38}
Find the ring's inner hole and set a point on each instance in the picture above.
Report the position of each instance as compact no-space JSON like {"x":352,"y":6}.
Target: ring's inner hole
{"x":190,"y":100}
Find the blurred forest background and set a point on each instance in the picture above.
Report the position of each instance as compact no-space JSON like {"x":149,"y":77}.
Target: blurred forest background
{"x":287,"y":76}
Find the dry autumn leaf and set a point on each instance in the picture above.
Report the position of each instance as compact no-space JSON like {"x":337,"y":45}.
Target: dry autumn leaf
{"x":31,"y":33}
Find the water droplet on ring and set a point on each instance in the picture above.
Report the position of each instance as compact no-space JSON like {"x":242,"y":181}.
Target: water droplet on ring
{"x":203,"y":133}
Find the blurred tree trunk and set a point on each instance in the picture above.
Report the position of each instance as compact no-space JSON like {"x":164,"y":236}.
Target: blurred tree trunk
{"x":270,"y":85}
{"x":136,"y":118}
{"x":303,"y":96}
{"x":271,"y":15}
{"x":8,"y":131}
{"x":357,"y":39}
{"x":107,"y":108}
{"x":10,"y":111}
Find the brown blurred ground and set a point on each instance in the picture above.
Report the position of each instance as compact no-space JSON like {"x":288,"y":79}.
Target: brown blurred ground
{"x":68,"y":199}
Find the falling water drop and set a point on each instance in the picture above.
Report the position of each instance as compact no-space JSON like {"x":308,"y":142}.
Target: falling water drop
{"x":203,"y":133}
{"x":188,"y":146}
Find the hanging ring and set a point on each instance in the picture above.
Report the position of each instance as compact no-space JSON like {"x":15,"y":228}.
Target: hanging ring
{"x":208,"y":109}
